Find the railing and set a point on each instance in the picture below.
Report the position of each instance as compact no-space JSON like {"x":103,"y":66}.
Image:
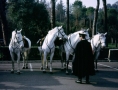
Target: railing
{"x":34,"y":53}
{"x":113,"y":55}
{"x":105,"y":54}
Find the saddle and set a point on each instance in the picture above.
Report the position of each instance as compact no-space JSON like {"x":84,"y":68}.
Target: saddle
{"x":26,"y":45}
{"x":58,"y":42}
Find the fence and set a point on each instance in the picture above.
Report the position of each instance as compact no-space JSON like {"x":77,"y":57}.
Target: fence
{"x":105,"y":54}
{"x":34,"y":54}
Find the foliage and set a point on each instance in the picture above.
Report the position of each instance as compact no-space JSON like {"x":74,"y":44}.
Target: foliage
{"x":34,"y":19}
{"x":29,"y":15}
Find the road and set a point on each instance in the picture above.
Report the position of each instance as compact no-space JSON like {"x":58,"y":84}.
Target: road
{"x":34,"y":79}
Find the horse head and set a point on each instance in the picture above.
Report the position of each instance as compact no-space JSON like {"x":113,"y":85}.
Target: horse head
{"x":99,"y":39}
{"x":61,"y":33}
{"x":17,"y":37}
{"x":86,"y":32}
{"x":102,"y":37}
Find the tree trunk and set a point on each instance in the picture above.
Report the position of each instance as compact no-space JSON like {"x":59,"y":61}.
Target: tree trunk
{"x":105,"y":20}
{"x":95,"y":18}
{"x":67,"y":29}
{"x":3,"y":33}
{"x":53,"y":14}
{"x":3,"y":22}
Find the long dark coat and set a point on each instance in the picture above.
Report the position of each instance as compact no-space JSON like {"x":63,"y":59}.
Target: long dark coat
{"x":83,"y":63}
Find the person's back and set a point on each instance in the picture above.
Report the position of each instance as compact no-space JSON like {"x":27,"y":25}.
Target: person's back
{"x":83,"y":65}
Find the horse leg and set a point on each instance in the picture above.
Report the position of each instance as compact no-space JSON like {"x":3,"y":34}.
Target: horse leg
{"x":96,"y":64}
{"x":67,"y":62}
{"x":72,"y":64}
{"x":12,"y":57}
{"x":23,"y":56}
{"x":60,"y":53}
{"x":51,"y":57}
{"x":62,"y":60}
{"x":44,"y":61}
{"x":96,"y":60}
{"x":26,"y":59}
{"x":18,"y":62}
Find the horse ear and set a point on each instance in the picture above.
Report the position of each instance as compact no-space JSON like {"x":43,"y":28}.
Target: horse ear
{"x":60,"y":26}
{"x":16,"y":30}
{"x":105,"y":33}
{"x":20,"y":30}
{"x":81,"y":28}
{"x":88,"y":29}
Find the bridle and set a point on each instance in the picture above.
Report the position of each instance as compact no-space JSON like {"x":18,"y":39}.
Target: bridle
{"x":18,"y":42}
{"x":17,"y":39}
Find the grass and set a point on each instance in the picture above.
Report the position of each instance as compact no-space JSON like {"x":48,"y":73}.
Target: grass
{"x":112,"y":45}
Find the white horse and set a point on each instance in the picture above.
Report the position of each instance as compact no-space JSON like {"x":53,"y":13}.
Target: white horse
{"x":48,"y":46}
{"x":58,"y":43}
{"x":15,"y":47}
{"x":26,"y":51}
{"x":97,"y":43}
{"x":70,"y":45}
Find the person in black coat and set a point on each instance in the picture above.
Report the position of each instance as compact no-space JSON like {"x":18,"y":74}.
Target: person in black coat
{"x":83,"y":64}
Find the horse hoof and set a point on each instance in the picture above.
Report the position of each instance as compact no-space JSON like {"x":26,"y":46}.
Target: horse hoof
{"x":41,"y":68}
{"x":96,"y":70}
{"x":72,"y":73}
{"x":18,"y":73}
{"x":67,"y":73}
{"x":51,"y":72}
{"x":12,"y":72}
{"x":26,"y":67}
{"x":62,"y":69}
{"x":23,"y":67}
{"x":47,"y":67}
{"x":44,"y":71}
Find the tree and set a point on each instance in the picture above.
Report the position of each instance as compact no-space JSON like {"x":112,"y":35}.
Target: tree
{"x":95,"y":18}
{"x":67,"y":27}
{"x":105,"y":20}
{"x":77,"y":12}
{"x":60,"y":12}
{"x":90,"y":15}
{"x":112,"y":24}
{"x":53,"y":14}
{"x":3,"y":22}
{"x":29,"y":15}
{"x":105,"y":15}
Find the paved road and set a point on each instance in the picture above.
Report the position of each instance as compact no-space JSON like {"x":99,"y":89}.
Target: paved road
{"x":33,"y":79}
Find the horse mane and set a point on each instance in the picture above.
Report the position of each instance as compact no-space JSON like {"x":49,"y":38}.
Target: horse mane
{"x":13,"y":35}
{"x":54,"y":30}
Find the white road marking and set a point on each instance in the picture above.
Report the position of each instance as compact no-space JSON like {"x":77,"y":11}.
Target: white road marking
{"x":70,"y":66}
{"x":101,"y":65}
{"x":30,"y":67}
{"x":107,"y":66}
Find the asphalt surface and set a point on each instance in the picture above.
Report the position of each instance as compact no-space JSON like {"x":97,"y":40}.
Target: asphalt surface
{"x":106,"y":78}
